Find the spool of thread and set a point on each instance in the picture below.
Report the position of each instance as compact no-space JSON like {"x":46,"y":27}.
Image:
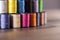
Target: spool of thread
{"x":40,"y":5}
{"x":34,"y":5}
{"x":45,"y":17}
{"x":5,"y":21}
{"x":38,"y":19}
{"x":42,"y":18}
{"x":31,"y":6}
{"x":33,"y":19}
{"x":12,"y":6}
{"x":16,"y":20}
{"x":3,"y":6}
{"x":21,"y":6}
{"x":25,"y":20}
{"x":28,"y":6}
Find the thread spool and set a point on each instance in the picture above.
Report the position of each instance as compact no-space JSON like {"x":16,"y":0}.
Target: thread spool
{"x":42,"y":18}
{"x":12,"y":6}
{"x":40,"y":5}
{"x":16,"y":20}
{"x":5,"y":21}
{"x":28,"y":6}
{"x":25,"y":20}
{"x":34,"y":5}
{"x":38,"y":19}
{"x":45,"y":17}
{"x":33,"y":19}
{"x":3,"y":6}
{"x":36,"y":2}
{"x":21,"y":6}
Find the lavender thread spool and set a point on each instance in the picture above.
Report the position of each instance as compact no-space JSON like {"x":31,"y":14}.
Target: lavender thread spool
{"x":5,"y":21}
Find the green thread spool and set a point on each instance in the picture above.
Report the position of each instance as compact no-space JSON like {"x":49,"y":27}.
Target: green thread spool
{"x":40,"y":5}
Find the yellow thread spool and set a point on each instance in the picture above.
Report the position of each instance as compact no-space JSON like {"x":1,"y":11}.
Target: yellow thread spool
{"x":12,"y":6}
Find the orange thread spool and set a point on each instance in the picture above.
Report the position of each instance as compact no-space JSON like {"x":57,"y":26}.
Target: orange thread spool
{"x":33,"y":19}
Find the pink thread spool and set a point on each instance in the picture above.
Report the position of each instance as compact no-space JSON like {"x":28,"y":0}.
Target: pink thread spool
{"x":25,"y":20}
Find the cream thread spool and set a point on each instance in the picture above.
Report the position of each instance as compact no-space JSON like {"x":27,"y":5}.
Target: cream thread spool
{"x":45,"y":17}
{"x":16,"y":20}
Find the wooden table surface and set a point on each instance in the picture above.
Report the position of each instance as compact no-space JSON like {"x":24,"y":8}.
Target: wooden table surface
{"x":49,"y":32}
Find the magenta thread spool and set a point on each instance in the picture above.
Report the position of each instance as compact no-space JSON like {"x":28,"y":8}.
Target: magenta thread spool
{"x":28,"y":20}
{"x":25,"y":20}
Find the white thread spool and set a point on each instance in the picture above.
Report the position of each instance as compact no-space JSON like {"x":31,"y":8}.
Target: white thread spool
{"x":3,"y":6}
{"x":45,"y":17}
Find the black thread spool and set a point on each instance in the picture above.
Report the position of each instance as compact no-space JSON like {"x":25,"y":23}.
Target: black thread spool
{"x":28,"y":6}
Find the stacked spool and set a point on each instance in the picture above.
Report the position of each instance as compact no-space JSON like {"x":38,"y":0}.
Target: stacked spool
{"x":4,"y":17}
{"x":22,"y":14}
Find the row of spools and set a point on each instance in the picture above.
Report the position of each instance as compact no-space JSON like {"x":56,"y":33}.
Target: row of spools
{"x":23,"y":14}
{"x":23,"y":20}
{"x":20,"y":6}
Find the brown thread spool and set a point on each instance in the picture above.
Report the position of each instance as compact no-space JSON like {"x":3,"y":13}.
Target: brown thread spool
{"x":33,"y":19}
{"x":42,"y":18}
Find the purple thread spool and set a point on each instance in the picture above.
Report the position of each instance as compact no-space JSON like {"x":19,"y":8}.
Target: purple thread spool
{"x":5,"y":21}
{"x":34,"y":5}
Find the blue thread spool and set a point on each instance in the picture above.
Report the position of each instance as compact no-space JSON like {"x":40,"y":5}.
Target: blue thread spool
{"x":21,"y":6}
{"x":5,"y":21}
{"x":38,"y":19}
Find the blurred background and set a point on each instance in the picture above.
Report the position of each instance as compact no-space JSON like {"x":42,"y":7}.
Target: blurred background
{"x":52,"y":7}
